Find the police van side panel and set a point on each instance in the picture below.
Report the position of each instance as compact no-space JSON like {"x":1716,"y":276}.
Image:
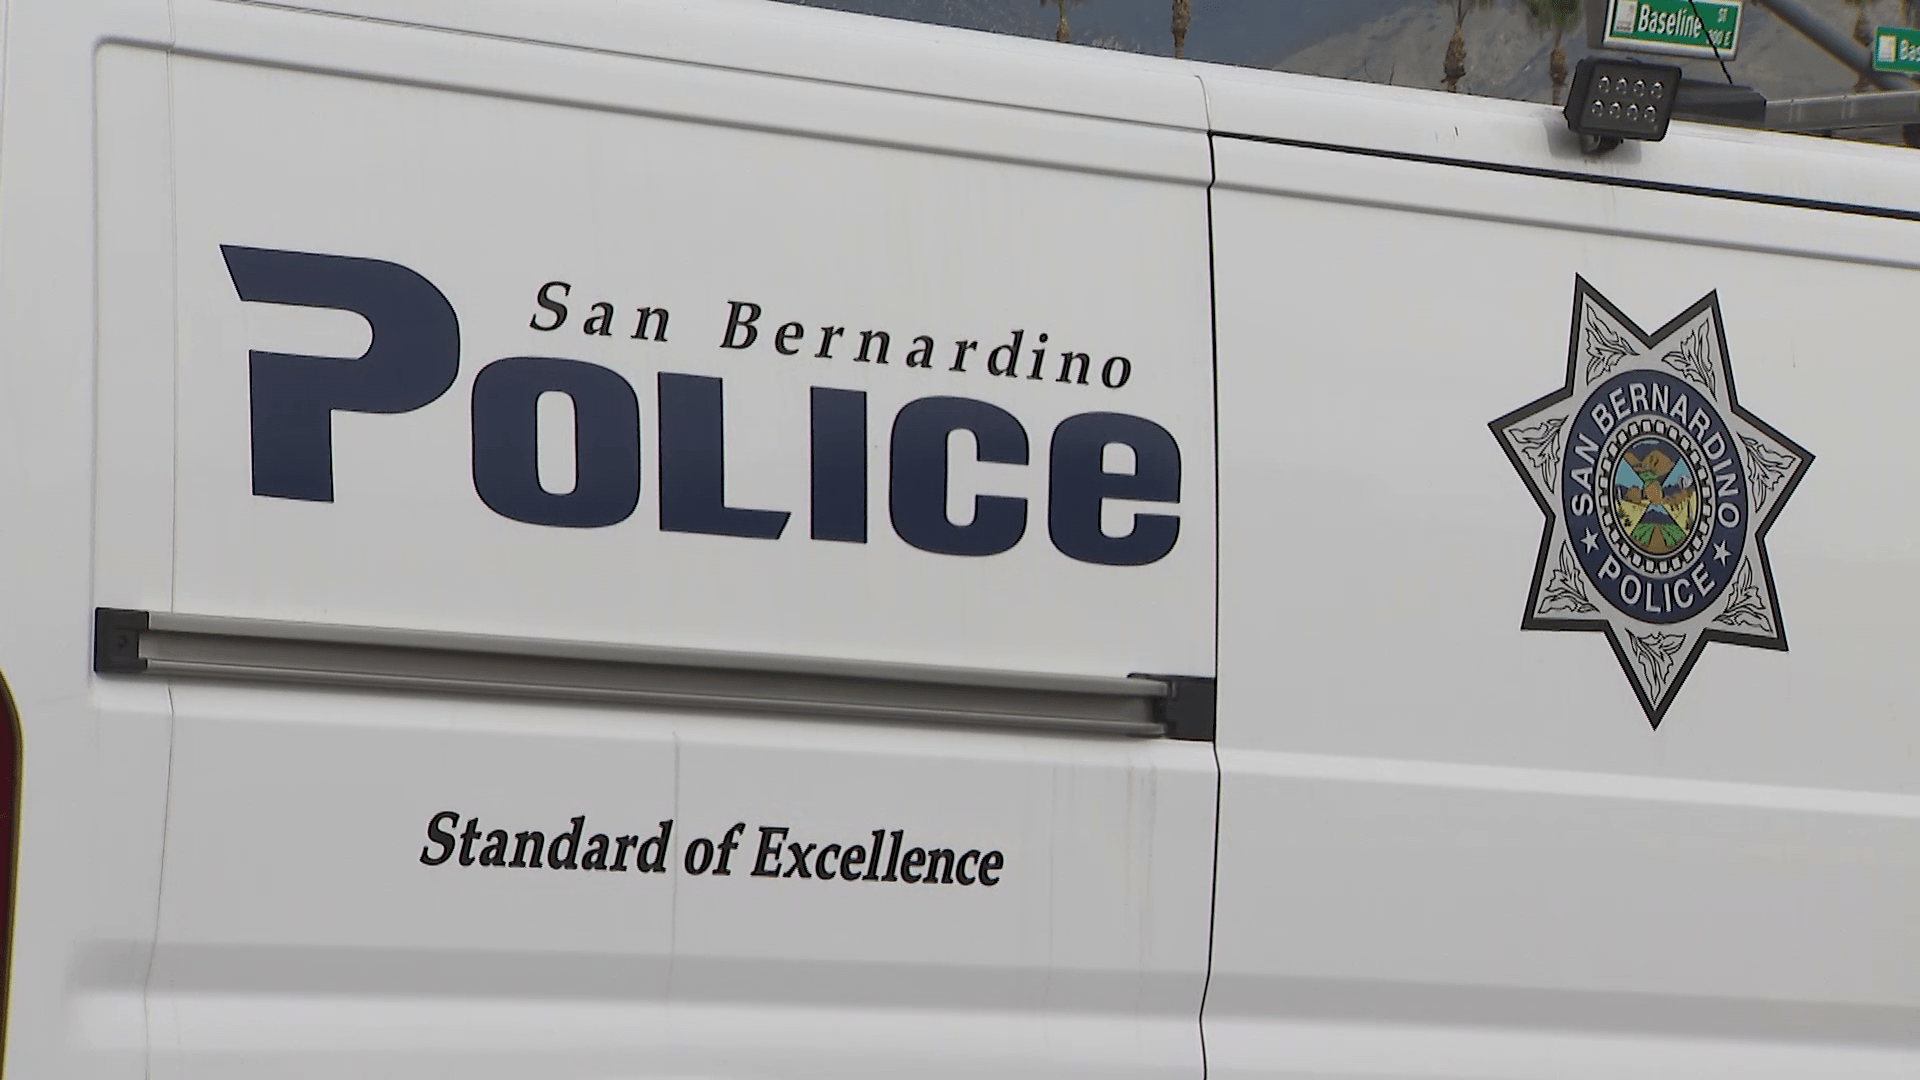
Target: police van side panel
{"x":415,"y":679}
{"x":557,"y":688}
{"x":1453,"y":842}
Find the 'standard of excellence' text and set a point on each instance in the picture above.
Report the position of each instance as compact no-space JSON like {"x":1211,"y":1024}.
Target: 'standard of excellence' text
{"x":880,"y":856}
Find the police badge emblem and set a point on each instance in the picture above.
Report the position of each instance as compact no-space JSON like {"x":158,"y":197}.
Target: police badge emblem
{"x":1658,"y":490}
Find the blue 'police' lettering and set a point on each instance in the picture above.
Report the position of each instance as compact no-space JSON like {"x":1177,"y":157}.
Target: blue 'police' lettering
{"x":693,"y":464}
{"x":839,"y":465}
{"x":606,"y":442}
{"x":1078,"y":483}
{"x":917,"y":487}
{"x":412,"y":359}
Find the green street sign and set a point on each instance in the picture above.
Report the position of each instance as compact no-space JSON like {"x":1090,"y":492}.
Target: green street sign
{"x":1671,"y":27}
{"x":1896,"y":48}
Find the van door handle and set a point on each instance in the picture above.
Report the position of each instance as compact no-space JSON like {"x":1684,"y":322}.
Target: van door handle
{"x":169,"y":644}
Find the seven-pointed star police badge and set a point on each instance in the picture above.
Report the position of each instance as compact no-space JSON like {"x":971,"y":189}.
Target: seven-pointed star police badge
{"x":1658,"y":489}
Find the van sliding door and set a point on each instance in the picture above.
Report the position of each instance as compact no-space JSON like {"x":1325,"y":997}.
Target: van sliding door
{"x":697,"y":635}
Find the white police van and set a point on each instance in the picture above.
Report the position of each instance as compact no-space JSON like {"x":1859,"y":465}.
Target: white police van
{"x":666,"y":539}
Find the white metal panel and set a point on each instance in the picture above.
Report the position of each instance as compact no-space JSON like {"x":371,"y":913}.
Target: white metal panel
{"x":941,"y":109}
{"x":489,"y":198}
{"x":300,"y":931}
{"x":1473,"y":195}
{"x":133,"y":485}
{"x":1453,"y":848}
{"x":825,"y":46}
{"x":301,"y":934}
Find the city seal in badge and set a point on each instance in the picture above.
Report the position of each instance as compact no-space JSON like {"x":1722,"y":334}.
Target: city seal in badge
{"x":1655,"y":496}
{"x":1658,"y":490}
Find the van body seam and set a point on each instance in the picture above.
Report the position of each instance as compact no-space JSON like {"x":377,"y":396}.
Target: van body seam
{"x":1730,"y":194}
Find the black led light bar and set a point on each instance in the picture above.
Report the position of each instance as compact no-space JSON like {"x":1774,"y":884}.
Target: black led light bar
{"x":1612,"y":100}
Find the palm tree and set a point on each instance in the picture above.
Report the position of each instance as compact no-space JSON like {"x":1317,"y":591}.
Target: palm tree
{"x":1182,"y":18}
{"x":1862,"y":33}
{"x":1557,"y":16}
{"x":1063,"y":32}
{"x":1456,"y":65}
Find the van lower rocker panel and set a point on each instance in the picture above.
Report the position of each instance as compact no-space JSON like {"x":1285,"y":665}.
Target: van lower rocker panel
{"x":309,"y":654}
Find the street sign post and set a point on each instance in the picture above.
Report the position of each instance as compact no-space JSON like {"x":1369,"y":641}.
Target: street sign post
{"x":1671,"y":27}
{"x":1896,"y":49}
